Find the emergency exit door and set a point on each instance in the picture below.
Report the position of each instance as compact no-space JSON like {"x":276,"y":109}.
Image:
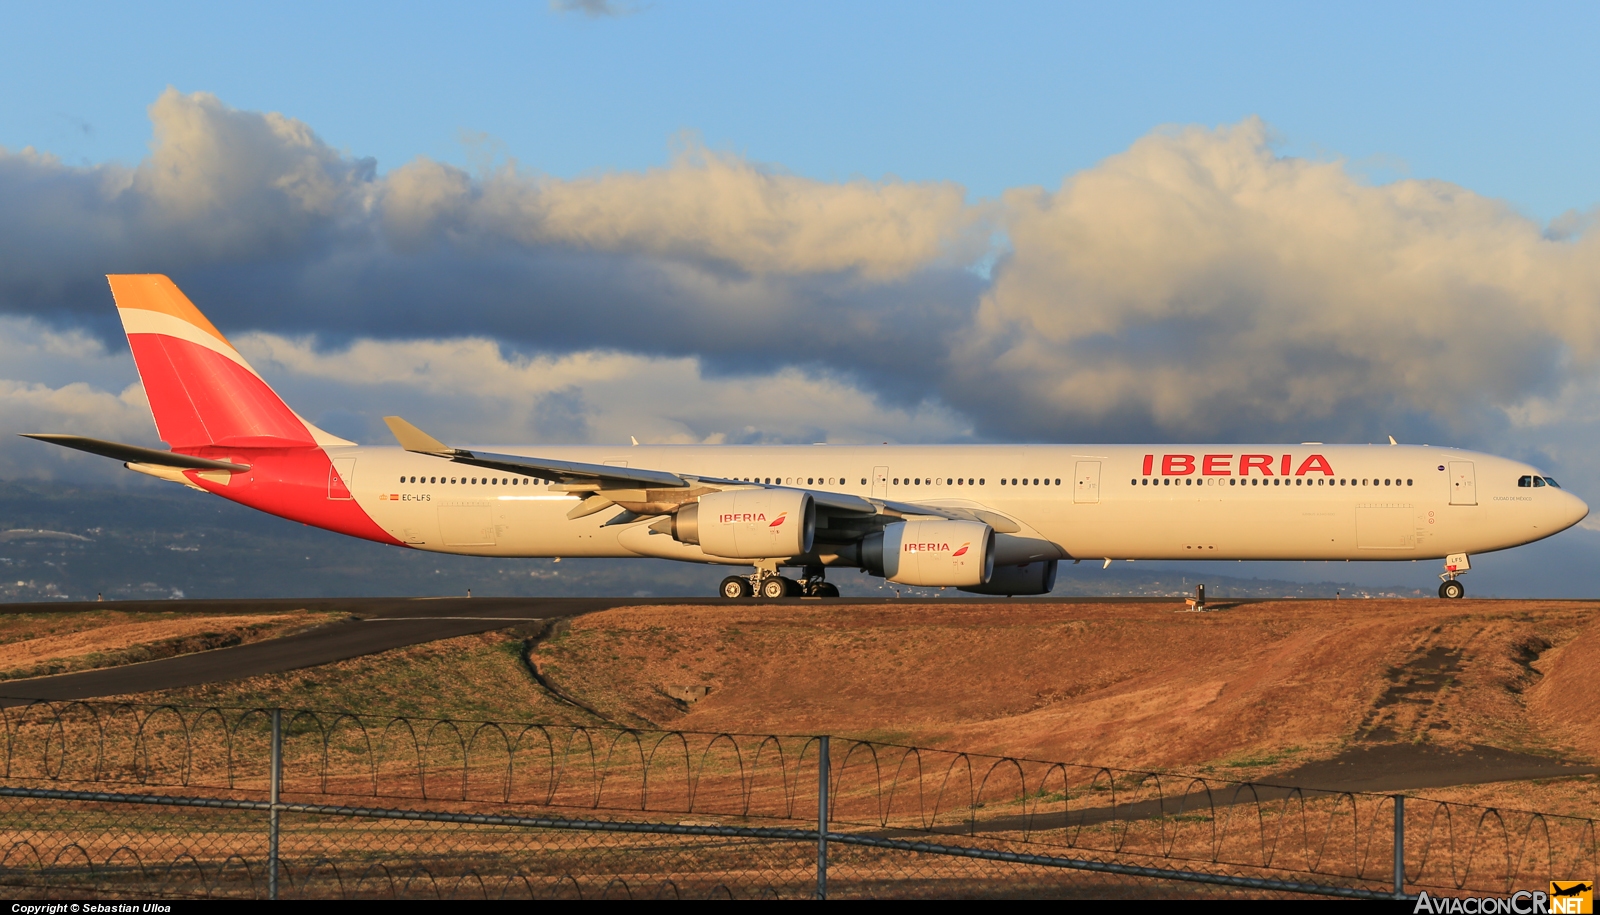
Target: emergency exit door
{"x":1086,"y":482}
{"x":1463,"y":484}
{"x":880,"y":482}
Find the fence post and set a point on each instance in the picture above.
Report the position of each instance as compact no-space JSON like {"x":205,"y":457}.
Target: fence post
{"x":1399,"y":846}
{"x":822,"y":817}
{"x":276,"y":781}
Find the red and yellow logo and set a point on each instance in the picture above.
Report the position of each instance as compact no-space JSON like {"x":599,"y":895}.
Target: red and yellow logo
{"x":779,"y":520}
{"x":963,"y":550}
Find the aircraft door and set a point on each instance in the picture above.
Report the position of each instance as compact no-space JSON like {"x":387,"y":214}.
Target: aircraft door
{"x":1463,"y":484}
{"x":1086,"y":482}
{"x":880,"y":482}
{"x":341,"y":477}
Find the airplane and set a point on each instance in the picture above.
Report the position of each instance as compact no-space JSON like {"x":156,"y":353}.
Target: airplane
{"x":984,"y":519}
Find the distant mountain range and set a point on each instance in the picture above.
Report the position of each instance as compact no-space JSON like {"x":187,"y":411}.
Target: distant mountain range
{"x":59,"y":541}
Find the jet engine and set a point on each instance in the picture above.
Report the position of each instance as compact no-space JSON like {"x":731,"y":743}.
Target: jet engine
{"x":932,"y":553}
{"x":749,"y":523}
{"x":1026,"y":578}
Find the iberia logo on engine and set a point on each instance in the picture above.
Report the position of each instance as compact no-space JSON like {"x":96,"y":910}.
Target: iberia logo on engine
{"x":747,"y":517}
{"x":928,"y":548}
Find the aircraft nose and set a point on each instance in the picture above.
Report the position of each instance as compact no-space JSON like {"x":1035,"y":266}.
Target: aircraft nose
{"x":1573,"y":510}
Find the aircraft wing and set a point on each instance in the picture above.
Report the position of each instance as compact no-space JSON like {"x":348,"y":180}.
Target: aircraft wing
{"x":574,"y":475}
{"x":570,"y":472}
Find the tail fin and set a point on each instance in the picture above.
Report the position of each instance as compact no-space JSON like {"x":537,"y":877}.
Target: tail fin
{"x":201,"y":390}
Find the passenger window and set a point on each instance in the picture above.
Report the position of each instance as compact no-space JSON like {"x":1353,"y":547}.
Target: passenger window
{"x":980,"y":481}
{"x":1408,"y":482}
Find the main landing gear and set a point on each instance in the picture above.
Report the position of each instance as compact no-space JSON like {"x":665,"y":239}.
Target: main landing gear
{"x":767,"y":583}
{"x":1454,"y":565}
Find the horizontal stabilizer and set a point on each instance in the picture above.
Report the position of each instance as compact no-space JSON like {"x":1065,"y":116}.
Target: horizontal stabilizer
{"x":135,"y":454}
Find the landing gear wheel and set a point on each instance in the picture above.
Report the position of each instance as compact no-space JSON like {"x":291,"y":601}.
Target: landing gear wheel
{"x":735,"y":587}
{"x":1452,"y":590}
{"x":825,"y":589}
{"x":775,"y":587}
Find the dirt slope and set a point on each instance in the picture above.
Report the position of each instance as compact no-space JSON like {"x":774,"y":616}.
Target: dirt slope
{"x":1256,"y":688}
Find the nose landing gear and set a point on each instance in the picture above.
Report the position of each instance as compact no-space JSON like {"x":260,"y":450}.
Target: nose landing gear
{"x":1455,"y":564}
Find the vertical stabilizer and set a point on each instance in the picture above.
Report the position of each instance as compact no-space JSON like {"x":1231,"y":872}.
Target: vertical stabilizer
{"x":201,"y":390}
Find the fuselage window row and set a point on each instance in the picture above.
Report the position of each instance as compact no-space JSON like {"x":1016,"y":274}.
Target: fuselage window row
{"x":487,"y":481}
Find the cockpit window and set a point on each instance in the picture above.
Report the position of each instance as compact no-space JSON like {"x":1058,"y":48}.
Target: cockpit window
{"x":1525,"y":482}
{"x":1538,"y":481}
{"x":1552,"y":482}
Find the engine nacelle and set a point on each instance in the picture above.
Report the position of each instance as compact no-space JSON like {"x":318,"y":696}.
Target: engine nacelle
{"x":934,"y":554}
{"x":749,"y":523}
{"x":1027,"y":578}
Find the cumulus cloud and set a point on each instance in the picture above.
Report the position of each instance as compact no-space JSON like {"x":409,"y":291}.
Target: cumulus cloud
{"x":54,"y":381}
{"x":467,"y":390}
{"x":474,"y":390}
{"x":711,"y":256}
{"x":1197,"y":286}
{"x":1201,"y":285}
{"x":593,"y":9}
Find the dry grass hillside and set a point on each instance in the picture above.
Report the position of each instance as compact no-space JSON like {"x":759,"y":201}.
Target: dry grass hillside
{"x":1253,"y":691}
{"x":1252,"y":687}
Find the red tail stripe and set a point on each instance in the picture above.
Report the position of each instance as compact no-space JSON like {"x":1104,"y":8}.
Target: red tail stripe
{"x":201,"y":397}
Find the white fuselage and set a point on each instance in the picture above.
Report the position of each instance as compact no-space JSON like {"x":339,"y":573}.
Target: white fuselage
{"x":1304,"y":502}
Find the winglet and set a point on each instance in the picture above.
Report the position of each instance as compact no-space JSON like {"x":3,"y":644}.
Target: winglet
{"x":413,"y":439}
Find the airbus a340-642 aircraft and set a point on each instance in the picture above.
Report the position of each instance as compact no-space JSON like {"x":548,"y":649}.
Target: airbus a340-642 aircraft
{"x":989,"y":519}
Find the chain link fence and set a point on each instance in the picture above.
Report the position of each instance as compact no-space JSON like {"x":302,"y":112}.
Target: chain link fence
{"x":138,"y":801}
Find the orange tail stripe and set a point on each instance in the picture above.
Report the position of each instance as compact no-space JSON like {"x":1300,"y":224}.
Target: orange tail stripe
{"x":154,"y":292}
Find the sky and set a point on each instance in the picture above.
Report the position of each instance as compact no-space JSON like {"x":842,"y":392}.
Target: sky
{"x":720,"y":222}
